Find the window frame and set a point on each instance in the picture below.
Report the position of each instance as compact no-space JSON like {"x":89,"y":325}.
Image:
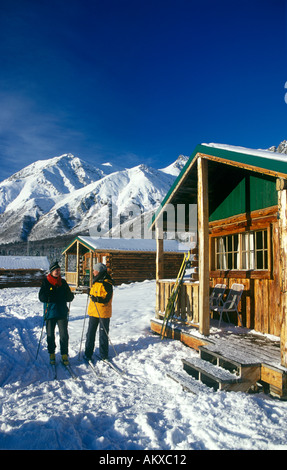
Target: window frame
{"x":238,"y":249}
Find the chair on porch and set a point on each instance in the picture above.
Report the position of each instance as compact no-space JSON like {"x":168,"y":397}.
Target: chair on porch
{"x":231,"y":303}
{"x":216,"y":297}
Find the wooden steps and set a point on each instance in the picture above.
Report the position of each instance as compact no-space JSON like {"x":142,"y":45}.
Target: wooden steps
{"x":188,"y":383}
{"x":210,"y":374}
{"x":254,"y":358}
{"x":216,"y":371}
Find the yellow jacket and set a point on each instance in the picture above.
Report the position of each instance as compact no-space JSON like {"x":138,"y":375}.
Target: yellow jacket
{"x":103,"y":291}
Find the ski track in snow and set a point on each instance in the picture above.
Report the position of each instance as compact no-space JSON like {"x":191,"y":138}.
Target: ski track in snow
{"x":141,"y":410}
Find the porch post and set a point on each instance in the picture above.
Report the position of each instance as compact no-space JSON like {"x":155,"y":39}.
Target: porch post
{"x":203,"y":245}
{"x":78,"y":265}
{"x":281,"y":186}
{"x":66,"y":263}
{"x":159,"y":266}
{"x":91,"y":269}
{"x":159,"y":253}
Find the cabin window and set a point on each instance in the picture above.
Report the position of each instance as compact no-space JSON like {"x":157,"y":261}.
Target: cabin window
{"x":227,"y":252}
{"x":245,"y":251}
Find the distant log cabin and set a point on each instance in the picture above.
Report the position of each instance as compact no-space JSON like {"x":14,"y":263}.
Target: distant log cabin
{"x":127,"y":260}
{"x":22,"y":271}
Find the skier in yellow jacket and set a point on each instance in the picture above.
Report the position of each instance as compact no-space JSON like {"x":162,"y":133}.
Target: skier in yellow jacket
{"x":99,"y":311}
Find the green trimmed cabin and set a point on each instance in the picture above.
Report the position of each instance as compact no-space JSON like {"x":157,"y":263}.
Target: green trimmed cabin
{"x":127,"y":260}
{"x":241,"y":197}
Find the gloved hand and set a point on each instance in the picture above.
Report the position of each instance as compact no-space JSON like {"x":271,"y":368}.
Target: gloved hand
{"x":93,"y":298}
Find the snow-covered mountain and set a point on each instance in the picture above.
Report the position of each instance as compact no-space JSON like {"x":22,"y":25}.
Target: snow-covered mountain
{"x":282,"y":147}
{"x":66,"y":195}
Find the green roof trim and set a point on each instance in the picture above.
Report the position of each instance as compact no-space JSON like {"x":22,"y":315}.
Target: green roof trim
{"x":275,"y":165}
{"x":79,"y":239}
{"x":175,"y":184}
{"x":272,"y":164}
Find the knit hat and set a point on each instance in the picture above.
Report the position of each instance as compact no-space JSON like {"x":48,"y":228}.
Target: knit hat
{"x":53,"y":266}
{"x":100,"y":267}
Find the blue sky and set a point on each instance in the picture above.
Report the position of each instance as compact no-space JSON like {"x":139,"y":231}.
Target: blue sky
{"x":139,"y":81}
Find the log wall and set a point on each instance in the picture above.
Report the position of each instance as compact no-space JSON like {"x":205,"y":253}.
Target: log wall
{"x":21,"y":278}
{"x":260,"y":304}
{"x":126,"y":267}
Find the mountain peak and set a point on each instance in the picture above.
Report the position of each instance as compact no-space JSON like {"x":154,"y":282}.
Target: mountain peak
{"x":66,"y":195}
{"x":282,"y":147}
{"x":176,"y":166}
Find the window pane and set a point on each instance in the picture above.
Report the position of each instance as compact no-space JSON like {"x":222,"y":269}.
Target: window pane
{"x":222,"y":261}
{"x":219,"y":262}
{"x":265,"y":239}
{"x":259,"y":261}
{"x":220,"y":245}
{"x":251,"y":251}
{"x":251,"y":241}
{"x":261,"y":250}
{"x":244,"y":260}
{"x":244,"y":241}
{"x":235,"y":240}
{"x":259,"y":240}
{"x":229,"y":243}
{"x":235,"y":261}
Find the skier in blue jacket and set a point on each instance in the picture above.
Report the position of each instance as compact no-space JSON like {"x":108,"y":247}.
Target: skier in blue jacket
{"x":55,"y":293}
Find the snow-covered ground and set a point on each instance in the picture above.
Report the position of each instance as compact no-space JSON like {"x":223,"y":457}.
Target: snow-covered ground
{"x":142,"y":410}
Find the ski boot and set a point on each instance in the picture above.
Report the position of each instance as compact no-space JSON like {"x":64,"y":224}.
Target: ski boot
{"x":52,"y":359}
{"x":65,"y":359}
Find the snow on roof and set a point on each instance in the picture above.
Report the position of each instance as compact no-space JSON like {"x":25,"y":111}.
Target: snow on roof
{"x":24,"y":262}
{"x":131,"y":244}
{"x":256,"y":152}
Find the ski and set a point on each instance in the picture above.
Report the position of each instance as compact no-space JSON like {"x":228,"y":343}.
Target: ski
{"x":112,"y":365}
{"x":54,"y":369}
{"x":70,"y":370}
{"x":170,"y":307}
{"x":94,"y":368}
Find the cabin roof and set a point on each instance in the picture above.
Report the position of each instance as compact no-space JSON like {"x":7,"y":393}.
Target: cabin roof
{"x":124,"y":244}
{"x":24,"y":262}
{"x":224,"y":159}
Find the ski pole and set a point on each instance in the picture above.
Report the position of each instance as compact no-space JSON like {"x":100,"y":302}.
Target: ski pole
{"x":40,"y":338}
{"x":83,"y":326}
{"x":44,"y":318}
{"x":170,"y":307}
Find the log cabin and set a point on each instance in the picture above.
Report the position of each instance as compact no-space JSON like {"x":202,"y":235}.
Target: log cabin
{"x":241,"y":197}
{"x":22,"y":271}
{"x":127,"y":260}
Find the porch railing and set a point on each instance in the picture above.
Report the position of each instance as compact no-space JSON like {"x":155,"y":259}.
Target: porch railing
{"x":83,"y":280}
{"x":71,"y":278}
{"x":186,"y":307}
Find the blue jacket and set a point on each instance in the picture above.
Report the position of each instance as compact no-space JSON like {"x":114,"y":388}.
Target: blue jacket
{"x":55,"y":299}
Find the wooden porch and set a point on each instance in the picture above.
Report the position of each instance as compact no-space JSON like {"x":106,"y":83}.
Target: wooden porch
{"x":231,"y":358}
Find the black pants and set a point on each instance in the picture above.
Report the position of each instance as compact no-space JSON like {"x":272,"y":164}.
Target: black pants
{"x":91,"y":335}
{"x":63,"y":331}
